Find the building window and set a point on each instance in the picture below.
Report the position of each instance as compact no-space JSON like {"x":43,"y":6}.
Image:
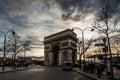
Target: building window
{"x":47,"y":47}
{"x":73,"y":45}
{"x":65,"y":44}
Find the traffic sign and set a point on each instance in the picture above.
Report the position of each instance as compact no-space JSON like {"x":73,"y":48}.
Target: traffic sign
{"x":100,"y":44}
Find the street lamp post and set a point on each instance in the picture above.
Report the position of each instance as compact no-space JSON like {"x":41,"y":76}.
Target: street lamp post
{"x":14,"y":34}
{"x":4,"y":53}
{"x":24,"y":53}
{"x":82,"y":31}
{"x":105,"y":50}
{"x":109,"y":47}
{"x":25,"y":44}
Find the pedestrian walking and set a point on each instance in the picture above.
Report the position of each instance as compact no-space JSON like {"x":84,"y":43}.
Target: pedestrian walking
{"x":99,"y":70}
{"x":108,"y":69}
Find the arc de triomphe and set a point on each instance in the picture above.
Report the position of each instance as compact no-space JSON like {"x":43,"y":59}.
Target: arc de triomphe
{"x":60,"y":47}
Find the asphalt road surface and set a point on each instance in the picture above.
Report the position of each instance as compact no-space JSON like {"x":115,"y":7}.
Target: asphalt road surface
{"x":43,"y":73}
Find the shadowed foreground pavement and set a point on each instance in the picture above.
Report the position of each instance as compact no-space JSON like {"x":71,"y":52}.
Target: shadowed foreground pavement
{"x":42,"y":73}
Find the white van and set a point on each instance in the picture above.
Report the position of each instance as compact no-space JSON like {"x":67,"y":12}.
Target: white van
{"x":67,"y":65}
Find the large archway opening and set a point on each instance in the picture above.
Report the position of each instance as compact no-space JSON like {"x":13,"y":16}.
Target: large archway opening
{"x":55,"y":55}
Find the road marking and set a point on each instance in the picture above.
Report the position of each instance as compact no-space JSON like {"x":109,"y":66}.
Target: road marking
{"x":77,"y":78}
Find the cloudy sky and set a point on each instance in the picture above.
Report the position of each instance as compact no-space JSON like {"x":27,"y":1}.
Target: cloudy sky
{"x":39,"y":18}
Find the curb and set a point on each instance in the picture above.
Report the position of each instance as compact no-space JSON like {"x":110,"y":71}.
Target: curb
{"x":87,"y":75}
{"x":93,"y":77}
{"x":14,"y":70}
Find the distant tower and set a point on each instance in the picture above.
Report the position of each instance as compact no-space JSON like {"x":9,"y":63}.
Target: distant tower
{"x":60,"y":47}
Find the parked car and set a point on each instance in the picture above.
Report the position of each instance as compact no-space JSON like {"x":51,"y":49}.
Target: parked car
{"x":67,"y":65}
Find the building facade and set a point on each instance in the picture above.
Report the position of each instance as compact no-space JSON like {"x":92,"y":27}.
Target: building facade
{"x":60,"y":47}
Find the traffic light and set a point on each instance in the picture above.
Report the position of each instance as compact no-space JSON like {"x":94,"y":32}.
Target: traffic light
{"x":105,"y":49}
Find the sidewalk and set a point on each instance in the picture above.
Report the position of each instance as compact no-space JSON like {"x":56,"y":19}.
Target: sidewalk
{"x":9,"y":69}
{"x":94,"y":75}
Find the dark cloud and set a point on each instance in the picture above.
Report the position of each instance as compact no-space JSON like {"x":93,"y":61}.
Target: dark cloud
{"x":16,"y":12}
{"x":72,"y":9}
{"x":85,"y":7}
{"x":10,"y":10}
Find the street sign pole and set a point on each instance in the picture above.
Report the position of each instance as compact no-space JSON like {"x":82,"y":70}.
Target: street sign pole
{"x":105,"y":49}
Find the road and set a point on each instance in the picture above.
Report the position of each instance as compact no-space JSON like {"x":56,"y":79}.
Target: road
{"x":42,"y":73}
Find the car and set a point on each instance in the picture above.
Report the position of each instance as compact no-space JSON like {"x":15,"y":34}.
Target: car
{"x":67,"y":65}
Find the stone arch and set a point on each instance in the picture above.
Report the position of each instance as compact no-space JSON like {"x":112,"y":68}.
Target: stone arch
{"x":55,"y":51}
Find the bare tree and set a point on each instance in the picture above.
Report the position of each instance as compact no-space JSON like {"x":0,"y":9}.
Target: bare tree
{"x":15,"y":44}
{"x":106,"y":23}
{"x":115,"y":41}
{"x":105,"y":26}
